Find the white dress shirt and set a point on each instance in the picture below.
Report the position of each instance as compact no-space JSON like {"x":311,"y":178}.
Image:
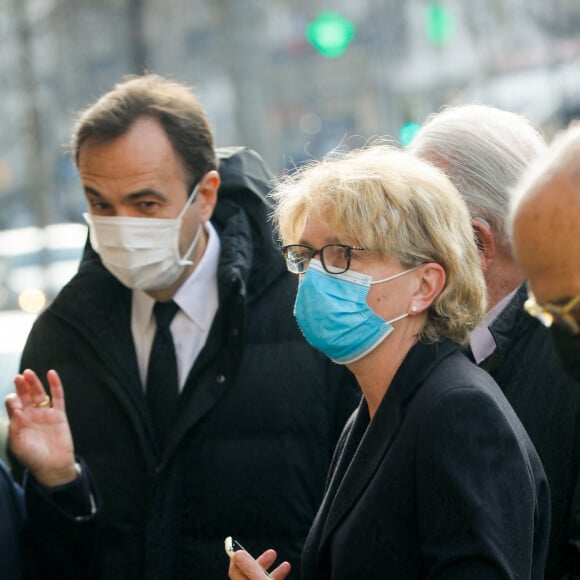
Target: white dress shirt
{"x":197,"y":299}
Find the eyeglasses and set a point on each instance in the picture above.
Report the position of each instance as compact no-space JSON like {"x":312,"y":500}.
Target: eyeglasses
{"x":549,"y":314}
{"x":335,"y":258}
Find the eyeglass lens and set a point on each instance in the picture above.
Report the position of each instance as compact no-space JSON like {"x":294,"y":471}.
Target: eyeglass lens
{"x":335,"y":258}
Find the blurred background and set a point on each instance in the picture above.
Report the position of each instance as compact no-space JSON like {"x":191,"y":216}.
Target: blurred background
{"x":290,"y":79}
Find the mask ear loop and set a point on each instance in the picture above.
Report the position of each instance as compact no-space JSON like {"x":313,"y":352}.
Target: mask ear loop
{"x":191,"y":200}
{"x":398,"y":275}
{"x":184,"y":260}
{"x":388,"y":279}
{"x":397,"y":318}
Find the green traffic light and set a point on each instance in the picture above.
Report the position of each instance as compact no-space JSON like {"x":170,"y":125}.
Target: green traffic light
{"x":439,"y":23}
{"x":330,"y":33}
{"x":408,"y":132}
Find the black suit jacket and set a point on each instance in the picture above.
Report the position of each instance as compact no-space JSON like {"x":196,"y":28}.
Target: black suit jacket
{"x":547,"y":401}
{"x":442,"y":483}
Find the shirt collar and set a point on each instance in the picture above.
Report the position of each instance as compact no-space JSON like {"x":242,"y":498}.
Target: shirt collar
{"x":481,"y":340}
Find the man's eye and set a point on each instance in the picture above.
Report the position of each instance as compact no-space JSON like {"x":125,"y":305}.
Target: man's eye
{"x":98,"y":205}
{"x":148,"y":205}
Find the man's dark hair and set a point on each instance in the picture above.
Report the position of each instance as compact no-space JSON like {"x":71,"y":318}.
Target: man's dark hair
{"x":172,"y":104}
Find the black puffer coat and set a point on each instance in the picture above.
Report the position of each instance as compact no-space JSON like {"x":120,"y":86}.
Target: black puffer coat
{"x":258,"y":419}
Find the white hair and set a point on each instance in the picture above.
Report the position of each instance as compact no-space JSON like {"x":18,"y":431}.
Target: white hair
{"x":484,"y":151}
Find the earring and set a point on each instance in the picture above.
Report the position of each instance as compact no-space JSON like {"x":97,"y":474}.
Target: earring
{"x":413,"y":308}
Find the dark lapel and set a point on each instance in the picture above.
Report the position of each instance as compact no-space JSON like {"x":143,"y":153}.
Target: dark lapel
{"x":368,"y":443}
{"x":108,"y":330}
{"x":120,"y":356}
{"x":117,"y":350}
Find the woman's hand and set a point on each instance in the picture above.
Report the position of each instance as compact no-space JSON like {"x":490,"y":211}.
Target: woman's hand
{"x":244,"y":567}
{"x":39,"y":433}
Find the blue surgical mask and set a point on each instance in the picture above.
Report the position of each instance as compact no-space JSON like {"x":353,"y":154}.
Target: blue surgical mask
{"x":333,"y":314}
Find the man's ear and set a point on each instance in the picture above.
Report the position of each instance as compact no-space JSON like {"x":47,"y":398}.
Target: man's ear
{"x":485,"y":243}
{"x":208,"y":188}
{"x":432,"y":279}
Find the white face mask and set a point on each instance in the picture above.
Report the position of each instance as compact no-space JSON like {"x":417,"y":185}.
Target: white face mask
{"x":142,"y":253}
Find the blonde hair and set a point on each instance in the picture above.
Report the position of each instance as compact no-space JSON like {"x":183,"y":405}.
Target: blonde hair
{"x":382,"y":198}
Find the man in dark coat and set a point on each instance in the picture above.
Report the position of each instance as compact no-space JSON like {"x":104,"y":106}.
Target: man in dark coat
{"x":485,"y":151}
{"x":547,"y":401}
{"x":179,"y":476}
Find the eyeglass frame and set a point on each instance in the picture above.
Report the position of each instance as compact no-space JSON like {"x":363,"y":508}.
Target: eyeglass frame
{"x":320,"y":251}
{"x":549,"y":314}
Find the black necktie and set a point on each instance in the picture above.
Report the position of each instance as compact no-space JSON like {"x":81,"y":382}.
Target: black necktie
{"x":162,"y":387}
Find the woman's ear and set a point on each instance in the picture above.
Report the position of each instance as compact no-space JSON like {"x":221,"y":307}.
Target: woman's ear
{"x":431,"y":283}
{"x":485,"y":243}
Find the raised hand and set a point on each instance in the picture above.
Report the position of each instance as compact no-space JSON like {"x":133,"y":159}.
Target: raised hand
{"x":39,"y":433}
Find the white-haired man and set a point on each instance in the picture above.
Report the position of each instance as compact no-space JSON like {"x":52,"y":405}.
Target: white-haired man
{"x":485,"y":151}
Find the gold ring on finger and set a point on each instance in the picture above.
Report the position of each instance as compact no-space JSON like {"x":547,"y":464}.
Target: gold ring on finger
{"x":45,"y":403}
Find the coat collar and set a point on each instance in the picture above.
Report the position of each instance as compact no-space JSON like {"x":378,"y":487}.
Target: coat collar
{"x":246,"y":182}
{"x":369,"y":441}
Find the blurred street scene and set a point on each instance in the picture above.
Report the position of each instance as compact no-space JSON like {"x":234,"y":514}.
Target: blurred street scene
{"x":379,"y":65}
{"x":290,"y":79}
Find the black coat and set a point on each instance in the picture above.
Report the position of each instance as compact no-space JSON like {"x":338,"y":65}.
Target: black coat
{"x":40,"y":537}
{"x":258,"y":418}
{"x":442,"y":483}
{"x":11,"y":521}
{"x":547,"y":401}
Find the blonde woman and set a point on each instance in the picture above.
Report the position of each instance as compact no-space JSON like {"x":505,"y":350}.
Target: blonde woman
{"x":434,"y":476}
